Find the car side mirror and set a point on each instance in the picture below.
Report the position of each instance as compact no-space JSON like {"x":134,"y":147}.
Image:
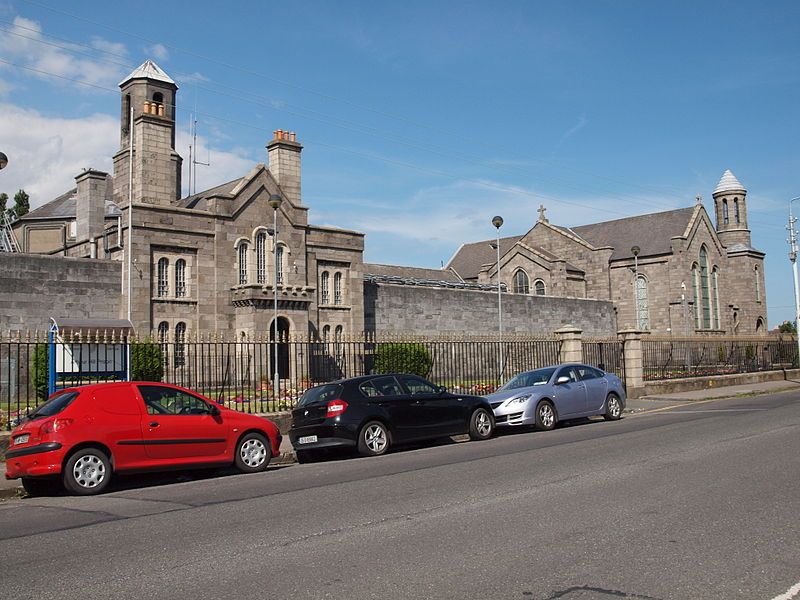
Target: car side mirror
{"x":562,"y":379}
{"x":441,"y":390}
{"x":215,"y":411}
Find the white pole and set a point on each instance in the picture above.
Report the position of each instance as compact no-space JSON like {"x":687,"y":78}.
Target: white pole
{"x":497,"y":221}
{"x":129,"y":266}
{"x":793,"y":258}
{"x":275,"y":307}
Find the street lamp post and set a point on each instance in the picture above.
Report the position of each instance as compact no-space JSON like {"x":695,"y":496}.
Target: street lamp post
{"x":635,"y":250}
{"x":793,"y":259}
{"x":3,"y":161}
{"x":275,"y":202}
{"x":497,"y":221}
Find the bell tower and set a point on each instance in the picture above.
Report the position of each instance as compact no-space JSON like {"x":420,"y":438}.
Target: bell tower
{"x":151,"y":93}
{"x":730,"y":208}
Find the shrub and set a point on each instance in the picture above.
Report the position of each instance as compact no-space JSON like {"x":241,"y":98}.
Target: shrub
{"x":403,"y":358}
{"x":146,"y":362}
{"x":39,"y":366}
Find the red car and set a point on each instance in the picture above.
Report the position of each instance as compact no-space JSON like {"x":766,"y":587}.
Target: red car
{"x":85,"y":434}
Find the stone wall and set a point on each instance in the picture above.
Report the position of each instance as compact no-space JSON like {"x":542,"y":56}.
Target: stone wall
{"x":34,"y":288}
{"x":430,"y":310}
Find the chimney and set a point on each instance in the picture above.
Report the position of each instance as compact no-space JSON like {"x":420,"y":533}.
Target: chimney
{"x":284,"y":163}
{"x":90,"y":204}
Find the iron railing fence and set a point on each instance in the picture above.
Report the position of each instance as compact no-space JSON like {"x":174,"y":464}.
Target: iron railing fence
{"x":240,"y":373}
{"x":671,"y":358}
{"x":606,"y":354}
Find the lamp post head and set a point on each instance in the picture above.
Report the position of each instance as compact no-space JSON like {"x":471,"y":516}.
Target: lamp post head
{"x":636,"y":250}
{"x":275,"y":201}
{"x":497,"y":221}
{"x":3,"y":160}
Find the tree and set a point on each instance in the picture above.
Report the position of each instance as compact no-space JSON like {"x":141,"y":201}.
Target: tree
{"x":3,"y":203}
{"x":788,"y":327}
{"x":22,"y":203}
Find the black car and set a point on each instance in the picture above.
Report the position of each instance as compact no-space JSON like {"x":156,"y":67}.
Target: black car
{"x":373,"y":412}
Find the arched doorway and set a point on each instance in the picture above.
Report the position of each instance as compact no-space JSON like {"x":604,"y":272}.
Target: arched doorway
{"x":283,"y":348}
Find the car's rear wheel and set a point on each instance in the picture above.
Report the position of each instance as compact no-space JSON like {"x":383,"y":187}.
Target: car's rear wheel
{"x":481,"y":425}
{"x":545,"y":415}
{"x":613,"y":408}
{"x":373,"y":439}
{"x":252,"y":453}
{"x":87,"y":472}
{"x":35,"y":486}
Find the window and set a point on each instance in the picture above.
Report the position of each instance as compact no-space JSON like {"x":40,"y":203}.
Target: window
{"x":162,"y":286}
{"x":163,"y":332}
{"x":381,"y":386}
{"x":715,"y":297}
{"x":279,"y":264}
{"x":326,"y":333}
{"x":162,"y":400}
{"x":242,"y":264}
{"x":736,"y":209}
{"x":337,"y":288}
{"x":759,"y":325}
{"x":72,"y":229}
{"x":725,"y":212}
{"x":180,"y":278}
{"x":696,"y":294}
{"x":337,"y":341}
{"x":158,"y":97}
{"x":538,"y":287}
{"x":180,"y":348}
{"x":126,"y":107}
{"x":642,"y":308}
{"x":705,"y":291}
{"x":521,"y":282}
{"x":758,"y":283}
{"x":324,"y":291}
{"x":261,"y":257}
{"x":417,"y":385}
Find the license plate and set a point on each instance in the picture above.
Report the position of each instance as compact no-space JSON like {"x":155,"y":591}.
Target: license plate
{"x":309,"y":439}
{"x":21,"y":439}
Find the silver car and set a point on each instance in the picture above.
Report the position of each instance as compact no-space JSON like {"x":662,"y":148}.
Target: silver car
{"x":546,"y":396}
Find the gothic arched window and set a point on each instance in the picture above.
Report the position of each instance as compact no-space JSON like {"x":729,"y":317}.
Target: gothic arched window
{"x":736,"y":209}
{"x":696,"y":295}
{"x":337,"y":288}
{"x":705,"y":291}
{"x":180,"y":348}
{"x":162,"y":284}
{"x":163,"y":333}
{"x":325,"y":288}
{"x":242,"y":263}
{"x":261,"y":257}
{"x":759,"y":325}
{"x":521,"y":282}
{"x":279,"y":263}
{"x":538,"y":287}
{"x":326,"y":333}
{"x":725,"y":212}
{"x":180,"y":278}
{"x":642,"y":307}
{"x":758,"y":283}
{"x":715,"y":297}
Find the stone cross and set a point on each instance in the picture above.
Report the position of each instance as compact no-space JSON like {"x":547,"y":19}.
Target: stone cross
{"x":542,"y":218}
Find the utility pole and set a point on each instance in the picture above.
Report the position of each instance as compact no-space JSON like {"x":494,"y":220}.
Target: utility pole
{"x":793,"y":258}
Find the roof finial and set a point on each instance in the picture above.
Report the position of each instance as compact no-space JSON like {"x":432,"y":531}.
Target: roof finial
{"x":698,"y":199}
{"x":541,"y":211}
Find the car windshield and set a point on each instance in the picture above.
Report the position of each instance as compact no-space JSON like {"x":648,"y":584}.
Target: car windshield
{"x":322,"y":393}
{"x":54,"y":405}
{"x":537,"y":377}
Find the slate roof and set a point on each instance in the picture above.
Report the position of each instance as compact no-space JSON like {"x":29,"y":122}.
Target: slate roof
{"x":198,"y":200}
{"x":410,"y":272}
{"x":64,"y":206}
{"x":728,"y":183}
{"x":651,"y":232}
{"x":468,"y":260}
{"x":148,"y":70}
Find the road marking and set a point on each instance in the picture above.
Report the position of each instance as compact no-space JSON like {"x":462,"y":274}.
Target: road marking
{"x":790,"y":593}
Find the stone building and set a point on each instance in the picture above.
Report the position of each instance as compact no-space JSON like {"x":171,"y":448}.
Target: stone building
{"x":206,"y":262}
{"x":667,"y":272}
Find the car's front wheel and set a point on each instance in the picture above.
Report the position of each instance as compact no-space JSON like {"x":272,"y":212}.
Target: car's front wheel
{"x":481,"y":425}
{"x":252,"y":453}
{"x":613,"y":408}
{"x":87,"y":472}
{"x":373,"y":439}
{"x":545,"y":415}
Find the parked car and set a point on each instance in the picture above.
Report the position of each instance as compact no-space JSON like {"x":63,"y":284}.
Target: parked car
{"x":373,"y":412}
{"x":545,"y":396}
{"x":85,"y":435}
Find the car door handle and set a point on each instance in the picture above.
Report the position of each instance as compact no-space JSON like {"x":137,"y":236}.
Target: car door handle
{"x":153,"y":423}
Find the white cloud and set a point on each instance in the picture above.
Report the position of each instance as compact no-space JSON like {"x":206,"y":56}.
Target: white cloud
{"x":225,"y":165}
{"x":158,"y":51}
{"x":24,"y":45}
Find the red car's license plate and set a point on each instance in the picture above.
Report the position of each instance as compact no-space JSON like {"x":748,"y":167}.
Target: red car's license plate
{"x":21,"y":439}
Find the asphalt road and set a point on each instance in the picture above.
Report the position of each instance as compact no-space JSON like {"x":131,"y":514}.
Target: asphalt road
{"x":691,"y":503}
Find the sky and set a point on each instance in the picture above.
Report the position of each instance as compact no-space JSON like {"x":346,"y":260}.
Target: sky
{"x":420,"y":121}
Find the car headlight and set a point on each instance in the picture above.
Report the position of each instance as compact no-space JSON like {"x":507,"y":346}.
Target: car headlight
{"x":519,"y":399}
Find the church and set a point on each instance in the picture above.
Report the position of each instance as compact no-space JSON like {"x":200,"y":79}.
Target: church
{"x":218,"y":259}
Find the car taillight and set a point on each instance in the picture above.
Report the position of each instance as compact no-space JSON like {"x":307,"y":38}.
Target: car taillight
{"x":55,"y":425}
{"x":335,"y":408}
